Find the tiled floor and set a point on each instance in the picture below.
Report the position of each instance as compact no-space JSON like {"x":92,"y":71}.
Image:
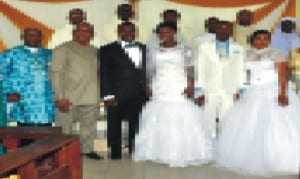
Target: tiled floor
{"x":128,"y":169}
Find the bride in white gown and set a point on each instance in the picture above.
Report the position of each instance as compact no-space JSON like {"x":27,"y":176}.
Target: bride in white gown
{"x":260,"y":134}
{"x":172,"y":128}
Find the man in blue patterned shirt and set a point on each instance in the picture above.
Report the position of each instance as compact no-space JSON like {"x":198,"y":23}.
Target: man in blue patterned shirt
{"x":2,"y":105}
{"x":26,"y":85}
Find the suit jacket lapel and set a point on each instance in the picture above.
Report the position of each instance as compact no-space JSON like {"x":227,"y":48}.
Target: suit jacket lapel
{"x":143,"y":51}
{"x":213,"y":51}
{"x":122,"y":54}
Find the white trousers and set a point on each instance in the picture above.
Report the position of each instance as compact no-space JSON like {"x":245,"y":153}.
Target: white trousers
{"x":216,"y":105}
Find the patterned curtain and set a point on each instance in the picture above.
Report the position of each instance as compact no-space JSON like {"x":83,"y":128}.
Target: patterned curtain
{"x":55,"y":1}
{"x":2,"y":46}
{"x":22,"y":21}
{"x":222,"y":3}
{"x":259,"y":14}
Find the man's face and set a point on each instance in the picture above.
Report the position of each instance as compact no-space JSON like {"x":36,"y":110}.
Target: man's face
{"x":223,"y":31}
{"x":32,"y":38}
{"x":245,"y":18}
{"x":76,"y":17}
{"x":127,"y":33}
{"x":287,"y":26}
{"x":170,"y":17}
{"x":125,"y":12}
{"x":261,"y":41}
{"x":83,"y":34}
{"x":212,"y":25}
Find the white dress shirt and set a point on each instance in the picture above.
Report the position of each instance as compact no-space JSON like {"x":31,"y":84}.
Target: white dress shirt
{"x":133,"y":51}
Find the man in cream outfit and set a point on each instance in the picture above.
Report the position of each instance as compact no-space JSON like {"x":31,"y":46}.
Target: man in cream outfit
{"x":74,"y":73}
{"x":220,"y":73}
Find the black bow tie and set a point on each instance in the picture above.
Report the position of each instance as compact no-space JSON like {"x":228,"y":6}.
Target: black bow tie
{"x":131,"y":45}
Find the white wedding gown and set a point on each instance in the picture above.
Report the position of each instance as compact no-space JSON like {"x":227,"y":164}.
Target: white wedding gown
{"x":257,"y":136}
{"x":172,"y":129}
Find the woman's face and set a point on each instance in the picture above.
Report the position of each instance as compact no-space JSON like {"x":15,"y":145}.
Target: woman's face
{"x":166,"y":34}
{"x":261,"y":41}
{"x":287,"y":26}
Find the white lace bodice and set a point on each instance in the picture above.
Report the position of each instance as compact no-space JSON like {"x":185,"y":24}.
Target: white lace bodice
{"x":170,"y":77}
{"x":261,"y":72}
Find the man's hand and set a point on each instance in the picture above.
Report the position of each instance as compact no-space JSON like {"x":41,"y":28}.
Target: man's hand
{"x":236,"y":96}
{"x":148,"y":91}
{"x":291,"y":69}
{"x":14,"y":97}
{"x":112,"y":102}
{"x":63,"y":105}
{"x":200,"y":100}
{"x":283,"y":100}
{"x":189,"y":91}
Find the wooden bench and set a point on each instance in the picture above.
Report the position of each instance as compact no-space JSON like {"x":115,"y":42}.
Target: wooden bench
{"x":51,"y":156}
{"x":11,"y":136}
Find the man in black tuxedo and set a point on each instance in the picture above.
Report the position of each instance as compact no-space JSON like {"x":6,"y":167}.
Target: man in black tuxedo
{"x":123,"y":79}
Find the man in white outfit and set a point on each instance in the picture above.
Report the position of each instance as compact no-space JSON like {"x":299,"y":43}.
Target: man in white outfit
{"x":210,"y":30}
{"x":220,"y":73}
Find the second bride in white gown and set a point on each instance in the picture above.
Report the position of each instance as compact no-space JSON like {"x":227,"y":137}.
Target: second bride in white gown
{"x":260,"y":135}
{"x":172,"y":128}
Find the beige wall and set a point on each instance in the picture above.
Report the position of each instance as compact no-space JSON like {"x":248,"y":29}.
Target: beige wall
{"x":102,"y":14}
{"x":192,"y":17}
{"x":54,"y":15}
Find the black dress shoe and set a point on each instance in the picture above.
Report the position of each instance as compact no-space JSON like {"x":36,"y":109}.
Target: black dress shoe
{"x":116,"y":157}
{"x":93,"y":155}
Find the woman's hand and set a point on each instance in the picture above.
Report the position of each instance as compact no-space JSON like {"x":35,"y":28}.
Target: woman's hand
{"x":283,"y":100}
{"x":283,"y":80}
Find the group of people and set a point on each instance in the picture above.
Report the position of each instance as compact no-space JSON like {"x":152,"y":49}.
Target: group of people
{"x":173,"y":94}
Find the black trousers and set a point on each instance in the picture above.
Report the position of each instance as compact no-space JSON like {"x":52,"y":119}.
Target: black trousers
{"x":129,"y":110}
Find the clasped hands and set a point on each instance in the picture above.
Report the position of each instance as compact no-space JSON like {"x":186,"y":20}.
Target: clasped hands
{"x":13,"y":97}
{"x":63,"y":105}
{"x":111,"y":102}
